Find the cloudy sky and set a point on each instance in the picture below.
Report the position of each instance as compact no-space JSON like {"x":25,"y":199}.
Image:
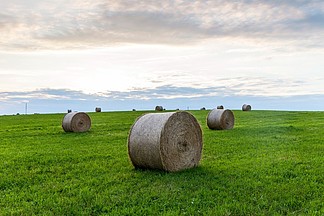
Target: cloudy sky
{"x":78,"y":54}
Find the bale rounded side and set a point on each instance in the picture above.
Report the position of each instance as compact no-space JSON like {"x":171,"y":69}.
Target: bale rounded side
{"x":167,"y":141}
{"x":246,"y":107}
{"x":220,"y":119}
{"x":76,"y":122}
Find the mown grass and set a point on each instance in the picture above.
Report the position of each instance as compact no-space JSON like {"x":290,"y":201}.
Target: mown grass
{"x":271,"y":163}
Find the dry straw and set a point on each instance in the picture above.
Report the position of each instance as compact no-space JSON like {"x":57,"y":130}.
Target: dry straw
{"x":76,"y":122}
{"x":246,"y":107}
{"x":167,"y":141}
{"x":220,"y":119}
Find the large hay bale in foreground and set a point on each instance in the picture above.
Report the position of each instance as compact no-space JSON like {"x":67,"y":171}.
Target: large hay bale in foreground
{"x":220,"y":119}
{"x":246,"y":107}
{"x":167,"y":141}
{"x":76,"y":122}
{"x":159,"y":108}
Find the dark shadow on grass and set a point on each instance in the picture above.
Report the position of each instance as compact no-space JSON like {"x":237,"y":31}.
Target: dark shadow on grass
{"x":200,"y":173}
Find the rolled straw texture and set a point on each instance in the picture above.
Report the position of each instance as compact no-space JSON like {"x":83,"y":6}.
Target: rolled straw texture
{"x":167,"y":141}
{"x":76,"y":122}
{"x":220,"y":119}
{"x":246,"y":107}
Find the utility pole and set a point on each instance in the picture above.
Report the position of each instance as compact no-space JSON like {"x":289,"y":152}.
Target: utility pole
{"x":26,"y":108}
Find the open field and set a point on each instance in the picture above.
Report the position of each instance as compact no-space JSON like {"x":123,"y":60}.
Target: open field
{"x":271,"y":163}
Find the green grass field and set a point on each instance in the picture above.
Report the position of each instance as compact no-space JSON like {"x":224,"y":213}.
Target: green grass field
{"x":271,"y":163}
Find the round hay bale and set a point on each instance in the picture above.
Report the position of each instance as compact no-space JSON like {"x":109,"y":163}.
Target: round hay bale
{"x":167,"y":141}
{"x":98,"y":109}
{"x":203,"y":108}
{"x":246,"y":107}
{"x":69,"y":110}
{"x":76,"y":122}
{"x":220,"y":119}
{"x":220,"y":107}
{"x":159,"y":108}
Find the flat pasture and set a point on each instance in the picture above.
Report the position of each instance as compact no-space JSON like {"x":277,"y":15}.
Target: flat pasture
{"x":270,"y":163}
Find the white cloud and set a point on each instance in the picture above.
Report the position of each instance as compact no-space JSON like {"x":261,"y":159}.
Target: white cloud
{"x":127,"y":67}
{"x":83,"y":24}
{"x":131,"y":49}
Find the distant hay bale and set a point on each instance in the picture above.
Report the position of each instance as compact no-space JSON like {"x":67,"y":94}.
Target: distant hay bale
{"x":220,"y":107}
{"x":167,"y":141}
{"x":76,"y":122}
{"x":98,"y":109}
{"x":246,"y":107}
{"x":133,"y":110}
{"x":220,"y":119}
{"x":203,"y":108}
{"x":69,"y":110}
{"x":159,"y":108}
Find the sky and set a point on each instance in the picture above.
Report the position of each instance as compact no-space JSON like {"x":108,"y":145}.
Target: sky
{"x":121,"y":55}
